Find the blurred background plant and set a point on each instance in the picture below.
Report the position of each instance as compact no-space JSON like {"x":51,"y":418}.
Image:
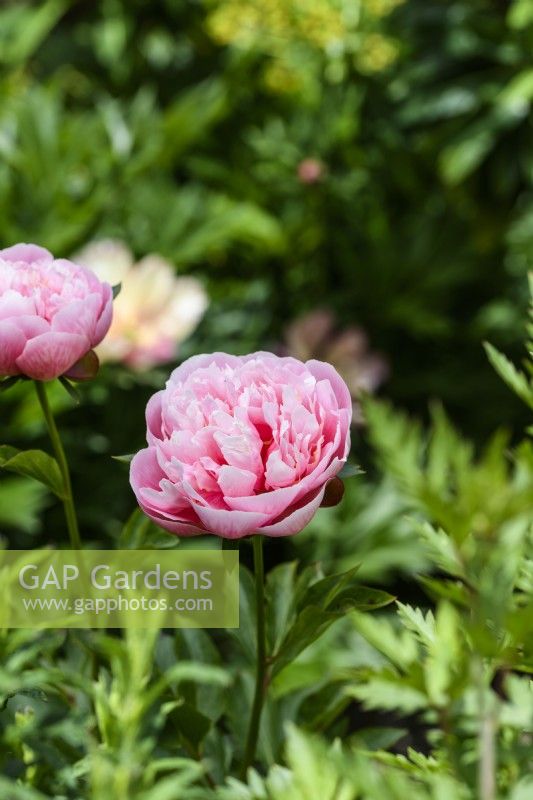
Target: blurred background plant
{"x":153,"y":312}
{"x":389,"y":193}
{"x":348,"y":180}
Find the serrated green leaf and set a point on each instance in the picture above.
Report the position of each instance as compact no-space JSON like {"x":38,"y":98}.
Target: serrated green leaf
{"x":389,"y":692}
{"x":514,"y":379}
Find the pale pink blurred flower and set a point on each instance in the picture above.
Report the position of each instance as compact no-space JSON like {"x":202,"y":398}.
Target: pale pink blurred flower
{"x":311,"y":170}
{"x":314,"y":335}
{"x":242,"y":445}
{"x":52,"y":313}
{"x":155,"y":310}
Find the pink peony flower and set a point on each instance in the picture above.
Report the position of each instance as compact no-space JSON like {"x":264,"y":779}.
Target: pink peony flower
{"x":242,"y":445}
{"x":52,"y":312}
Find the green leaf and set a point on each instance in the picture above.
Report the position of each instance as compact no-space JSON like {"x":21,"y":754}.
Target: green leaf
{"x":191,"y":725}
{"x":15,"y":791}
{"x":360,"y":598}
{"x":140,"y":533}
{"x":399,"y":646}
{"x":186,"y":671}
{"x":313,"y":620}
{"x":519,"y":91}
{"x":459,"y":159}
{"x":21,"y":503}
{"x":37,"y":694}
{"x":320,"y":709}
{"x":390,"y":692}
{"x":33,"y":464}
{"x":325,"y":590}
{"x":514,"y":379}
{"x":245,"y":634}
{"x":519,"y":17}
{"x":301,"y":608}
{"x":24,"y":27}
{"x":116,"y":290}
{"x":125,"y":459}
{"x":7,"y":383}
{"x":349,"y":471}
{"x":192,"y":115}
{"x":451,"y":590}
{"x":197,"y":645}
{"x":280,"y":597}
{"x":70,"y":390}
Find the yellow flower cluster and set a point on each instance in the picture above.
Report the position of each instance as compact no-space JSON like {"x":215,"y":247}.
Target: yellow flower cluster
{"x":272,"y":22}
{"x":376,"y":53}
{"x":281,"y":77}
{"x":274,"y":25}
{"x":381,"y":8}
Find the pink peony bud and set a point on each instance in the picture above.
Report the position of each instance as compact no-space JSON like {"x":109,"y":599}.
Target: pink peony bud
{"x":242,"y":445}
{"x":52,"y":312}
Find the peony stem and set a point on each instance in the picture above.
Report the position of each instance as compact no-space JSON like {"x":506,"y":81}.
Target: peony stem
{"x":261,"y":664}
{"x":68,"y":500}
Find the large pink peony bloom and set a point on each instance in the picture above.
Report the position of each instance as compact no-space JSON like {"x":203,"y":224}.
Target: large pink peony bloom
{"x":242,"y":445}
{"x":52,"y":312}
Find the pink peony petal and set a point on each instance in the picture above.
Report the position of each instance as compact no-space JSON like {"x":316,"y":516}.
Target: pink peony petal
{"x":324,"y":371}
{"x":106,"y":315}
{"x":193,"y":363}
{"x":31,"y":326}
{"x":236,"y":482}
{"x":78,"y":316}
{"x":277,"y":472}
{"x":153,"y":417}
{"x":12,"y":341}
{"x":296,"y":518}
{"x":13,"y":304}
{"x":230,"y":524}
{"x":276,"y":502}
{"x":145,"y":472}
{"x":51,"y":354}
{"x":176,"y":527}
{"x":28,"y":253}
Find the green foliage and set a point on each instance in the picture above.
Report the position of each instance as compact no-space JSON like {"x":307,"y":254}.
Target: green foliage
{"x":521,"y":384}
{"x":316,"y":769}
{"x":305,"y":609}
{"x":21,"y":504}
{"x":34,"y":464}
{"x":184,"y":129}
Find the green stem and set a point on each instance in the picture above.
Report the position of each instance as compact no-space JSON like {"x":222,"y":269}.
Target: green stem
{"x":261,"y":664}
{"x":68,"y":500}
{"x":487,"y":740}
